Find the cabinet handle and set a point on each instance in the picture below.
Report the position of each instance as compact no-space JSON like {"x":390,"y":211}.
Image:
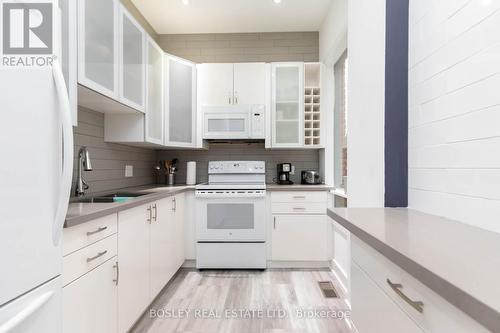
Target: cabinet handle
{"x":229,"y":95}
{"x":117,"y":273}
{"x":100,"y":229}
{"x":299,"y":197}
{"x":174,"y":204}
{"x":155,"y":209}
{"x":417,"y":305}
{"x":274,"y":223}
{"x":235,"y":97}
{"x":149,"y":211}
{"x":100,"y":254}
{"x":299,"y":208}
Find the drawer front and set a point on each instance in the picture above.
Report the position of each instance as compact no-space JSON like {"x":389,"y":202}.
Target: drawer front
{"x":80,"y":262}
{"x":438,"y":314}
{"x":299,"y":208}
{"x":311,"y":196}
{"x":79,"y":236}
{"x":372,"y":311}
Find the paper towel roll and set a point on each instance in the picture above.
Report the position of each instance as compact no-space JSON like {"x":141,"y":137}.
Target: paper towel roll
{"x":191,"y":173}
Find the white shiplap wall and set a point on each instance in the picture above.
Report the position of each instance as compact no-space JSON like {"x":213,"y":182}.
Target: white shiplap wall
{"x":454,"y":110}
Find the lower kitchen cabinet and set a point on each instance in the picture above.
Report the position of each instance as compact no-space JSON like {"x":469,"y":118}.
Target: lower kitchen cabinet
{"x":150,"y":251}
{"x":90,"y":301}
{"x":133,"y":256}
{"x":300,"y":238}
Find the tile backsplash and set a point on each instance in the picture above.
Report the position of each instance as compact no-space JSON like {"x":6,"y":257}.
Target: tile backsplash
{"x":109,"y":159}
{"x":301,"y":159}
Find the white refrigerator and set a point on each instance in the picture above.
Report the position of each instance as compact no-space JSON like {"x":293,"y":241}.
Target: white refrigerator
{"x":36,"y":161}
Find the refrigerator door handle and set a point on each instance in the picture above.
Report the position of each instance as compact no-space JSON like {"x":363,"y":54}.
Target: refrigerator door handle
{"x":29,"y":310}
{"x":67,"y":172}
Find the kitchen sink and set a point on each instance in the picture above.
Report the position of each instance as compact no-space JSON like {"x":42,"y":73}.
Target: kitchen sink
{"x":110,"y":198}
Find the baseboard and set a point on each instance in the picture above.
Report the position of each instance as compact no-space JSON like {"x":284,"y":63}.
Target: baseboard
{"x":189,"y":263}
{"x":298,"y":264}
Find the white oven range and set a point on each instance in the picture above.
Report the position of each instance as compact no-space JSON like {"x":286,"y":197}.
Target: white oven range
{"x":231,"y":216}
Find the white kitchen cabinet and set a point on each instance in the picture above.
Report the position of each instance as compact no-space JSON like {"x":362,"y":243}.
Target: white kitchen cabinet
{"x":372,"y":310}
{"x":98,"y":54}
{"x":179,"y":222}
{"x":251,"y":83}
{"x":90,"y":302}
{"x":154,"y":125}
{"x":300,"y":238}
{"x":287,"y":105}
{"x":69,"y":50}
{"x":215,"y":84}
{"x":231,"y":84}
{"x":131,"y":61}
{"x":180,"y":102}
{"x":161,"y":245}
{"x":133,"y":257}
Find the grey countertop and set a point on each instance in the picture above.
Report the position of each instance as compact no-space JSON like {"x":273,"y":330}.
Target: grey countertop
{"x":458,"y":261}
{"x":83,"y":212}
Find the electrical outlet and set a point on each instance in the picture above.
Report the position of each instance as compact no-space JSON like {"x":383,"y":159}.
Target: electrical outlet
{"x":129,"y":170}
{"x":292,"y":172}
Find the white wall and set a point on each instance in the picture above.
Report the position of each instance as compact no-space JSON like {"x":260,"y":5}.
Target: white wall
{"x":332,"y":43}
{"x":366,"y":103}
{"x":454,"y":110}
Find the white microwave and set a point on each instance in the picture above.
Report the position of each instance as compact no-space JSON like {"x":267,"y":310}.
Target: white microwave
{"x":233,"y":122}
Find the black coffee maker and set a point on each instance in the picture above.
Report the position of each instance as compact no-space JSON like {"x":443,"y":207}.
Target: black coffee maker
{"x":284,"y":170}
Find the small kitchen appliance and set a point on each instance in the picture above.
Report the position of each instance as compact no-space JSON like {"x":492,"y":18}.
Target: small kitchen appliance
{"x":310,"y":178}
{"x":284,"y":170}
{"x":231,"y":216}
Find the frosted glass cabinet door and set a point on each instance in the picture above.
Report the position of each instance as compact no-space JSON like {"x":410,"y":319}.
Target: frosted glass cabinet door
{"x":181,"y":102}
{"x":98,"y":45}
{"x":132,"y":68}
{"x":154,"y":92}
{"x":287,"y":104}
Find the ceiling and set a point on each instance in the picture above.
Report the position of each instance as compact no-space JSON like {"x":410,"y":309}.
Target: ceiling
{"x":233,"y":16}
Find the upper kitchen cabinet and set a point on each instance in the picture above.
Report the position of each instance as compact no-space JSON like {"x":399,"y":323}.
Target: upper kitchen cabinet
{"x":251,"y":83}
{"x":131,"y":61}
{"x":287,"y":105}
{"x":180,"y":102}
{"x":215,"y":84}
{"x":154,"y":93}
{"x":69,"y":51}
{"x":231,"y":84}
{"x":98,"y":46}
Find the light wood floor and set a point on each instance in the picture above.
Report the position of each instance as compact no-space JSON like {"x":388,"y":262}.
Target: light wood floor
{"x":215,"y":292}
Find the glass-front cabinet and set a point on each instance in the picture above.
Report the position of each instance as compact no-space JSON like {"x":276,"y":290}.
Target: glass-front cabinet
{"x":180,"y":102}
{"x":286,"y":104}
{"x":132,"y":64}
{"x":154,"y":93}
{"x":98,"y":46}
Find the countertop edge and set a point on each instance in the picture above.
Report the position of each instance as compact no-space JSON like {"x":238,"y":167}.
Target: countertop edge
{"x":479,"y":311}
{"x":73,"y":221}
{"x":76,"y":220}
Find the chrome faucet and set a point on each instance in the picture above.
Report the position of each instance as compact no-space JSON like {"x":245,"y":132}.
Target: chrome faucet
{"x":83,"y":164}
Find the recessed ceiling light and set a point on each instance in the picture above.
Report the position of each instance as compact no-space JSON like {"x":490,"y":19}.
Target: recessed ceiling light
{"x":185,"y":2}
{"x":277,"y":1}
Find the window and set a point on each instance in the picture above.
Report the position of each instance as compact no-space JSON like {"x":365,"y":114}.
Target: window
{"x":340,"y":121}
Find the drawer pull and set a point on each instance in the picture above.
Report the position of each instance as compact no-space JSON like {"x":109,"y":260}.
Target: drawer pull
{"x":417,"y":305}
{"x":101,"y":229}
{"x":100,"y":254}
{"x":299,"y":197}
{"x":299,"y":208}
